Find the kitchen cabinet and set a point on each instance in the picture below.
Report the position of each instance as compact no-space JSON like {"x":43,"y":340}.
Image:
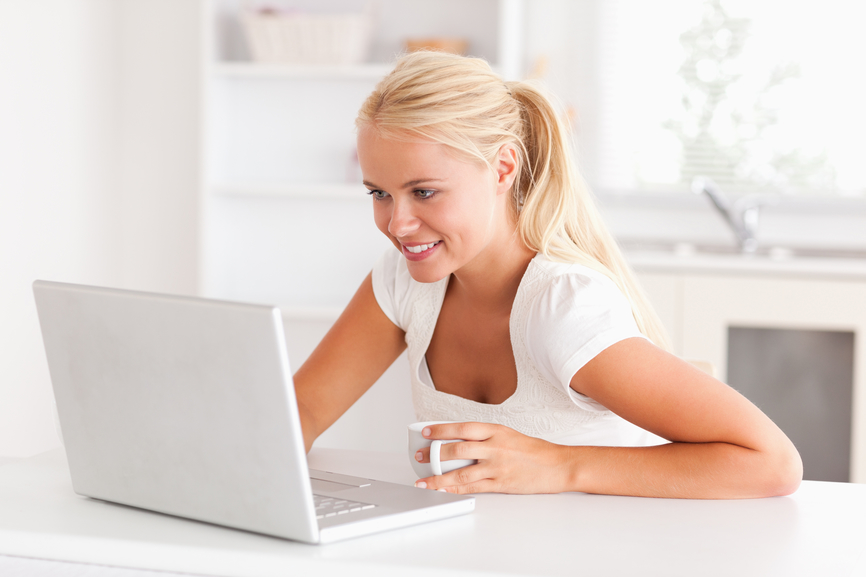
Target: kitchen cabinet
{"x":704,"y":309}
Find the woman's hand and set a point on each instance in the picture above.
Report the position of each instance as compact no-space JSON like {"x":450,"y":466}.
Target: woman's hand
{"x":508,"y":461}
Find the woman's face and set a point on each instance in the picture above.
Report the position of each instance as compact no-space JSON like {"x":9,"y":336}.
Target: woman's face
{"x":443,"y":213}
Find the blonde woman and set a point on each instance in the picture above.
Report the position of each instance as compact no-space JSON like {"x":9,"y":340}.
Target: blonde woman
{"x":522,"y":320}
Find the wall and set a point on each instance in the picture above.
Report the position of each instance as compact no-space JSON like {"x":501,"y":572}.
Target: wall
{"x":98,"y":168}
{"x":160,"y":83}
{"x":58,"y":158}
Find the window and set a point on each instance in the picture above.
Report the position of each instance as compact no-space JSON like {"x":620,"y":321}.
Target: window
{"x":760,"y":95}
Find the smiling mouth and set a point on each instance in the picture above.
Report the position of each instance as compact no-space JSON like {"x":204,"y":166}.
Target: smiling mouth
{"x":421,"y":247}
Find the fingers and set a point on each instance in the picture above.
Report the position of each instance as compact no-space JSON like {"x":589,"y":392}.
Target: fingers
{"x":465,"y":431}
{"x":455,"y":451}
{"x":471,"y":479}
{"x":478,"y":442}
{"x":451,"y":431}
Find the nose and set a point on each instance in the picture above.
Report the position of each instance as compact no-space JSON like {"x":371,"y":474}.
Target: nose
{"x":403,"y":219}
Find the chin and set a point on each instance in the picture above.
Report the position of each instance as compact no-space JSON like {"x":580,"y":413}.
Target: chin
{"x":426,"y":274}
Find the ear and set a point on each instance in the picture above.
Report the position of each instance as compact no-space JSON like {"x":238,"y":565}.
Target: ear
{"x":506,"y":167}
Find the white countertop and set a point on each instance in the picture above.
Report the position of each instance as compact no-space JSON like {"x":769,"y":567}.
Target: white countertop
{"x":774,"y":264}
{"x":820,"y":530}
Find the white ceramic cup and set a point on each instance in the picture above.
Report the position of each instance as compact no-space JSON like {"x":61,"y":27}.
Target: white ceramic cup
{"x":436,"y":466}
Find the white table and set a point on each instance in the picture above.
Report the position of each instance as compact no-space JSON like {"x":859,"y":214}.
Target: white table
{"x":821,"y":530}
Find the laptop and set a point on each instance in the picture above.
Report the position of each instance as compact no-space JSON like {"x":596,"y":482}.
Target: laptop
{"x":186,"y":406}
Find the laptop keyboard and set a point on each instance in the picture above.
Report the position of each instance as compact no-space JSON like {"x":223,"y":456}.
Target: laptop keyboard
{"x":332,"y":506}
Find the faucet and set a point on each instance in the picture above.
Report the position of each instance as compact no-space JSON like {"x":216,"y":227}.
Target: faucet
{"x":742,"y":215}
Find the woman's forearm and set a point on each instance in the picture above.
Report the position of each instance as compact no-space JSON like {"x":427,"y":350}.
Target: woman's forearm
{"x":683,"y":470}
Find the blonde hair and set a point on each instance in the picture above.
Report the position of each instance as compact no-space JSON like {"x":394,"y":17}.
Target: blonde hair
{"x":462,"y":103}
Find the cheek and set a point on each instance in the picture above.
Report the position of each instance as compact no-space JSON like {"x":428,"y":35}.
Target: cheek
{"x":472,"y":217}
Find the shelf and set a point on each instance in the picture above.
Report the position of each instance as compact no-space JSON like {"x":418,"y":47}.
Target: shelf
{"x":333,"y":191}
{"x":301,"y":71}
{"x":277,"y":150}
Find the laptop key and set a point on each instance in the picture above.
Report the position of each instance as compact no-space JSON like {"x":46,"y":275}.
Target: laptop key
{"x":331,"y":507}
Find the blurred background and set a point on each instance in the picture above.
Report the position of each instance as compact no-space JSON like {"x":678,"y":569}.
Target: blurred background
{"x":206,"y":147}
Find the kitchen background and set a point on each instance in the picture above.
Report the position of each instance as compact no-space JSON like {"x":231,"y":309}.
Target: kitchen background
{"x":141,"y":146}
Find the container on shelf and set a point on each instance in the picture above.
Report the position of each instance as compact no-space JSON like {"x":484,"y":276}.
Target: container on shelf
{"x":451,"y":45}
{"x":294,"y":37}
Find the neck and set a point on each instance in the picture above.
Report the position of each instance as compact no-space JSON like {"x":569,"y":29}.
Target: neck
{"x":491,"y":282}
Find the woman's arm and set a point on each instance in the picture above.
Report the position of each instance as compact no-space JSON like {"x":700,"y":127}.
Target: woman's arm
{"x":722,"y":445}
{"x":360,"y":346}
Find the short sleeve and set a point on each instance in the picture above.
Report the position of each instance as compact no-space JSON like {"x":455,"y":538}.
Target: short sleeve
{"x":392,"y":285}
{"x":576,"y":317}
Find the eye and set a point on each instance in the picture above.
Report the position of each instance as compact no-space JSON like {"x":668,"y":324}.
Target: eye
{"x":378,"y":194}
{"x":424,"y":194}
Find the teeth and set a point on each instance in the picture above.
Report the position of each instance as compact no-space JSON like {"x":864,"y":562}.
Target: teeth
{"x":421,"y":247}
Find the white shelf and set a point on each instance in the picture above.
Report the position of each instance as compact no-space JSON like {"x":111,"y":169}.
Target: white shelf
{"x":339,"y":191}
{"x":301,"y":71}
{"x":277,"y":165}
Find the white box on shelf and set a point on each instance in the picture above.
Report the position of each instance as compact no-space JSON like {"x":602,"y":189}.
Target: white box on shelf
{"x":305,"y":38}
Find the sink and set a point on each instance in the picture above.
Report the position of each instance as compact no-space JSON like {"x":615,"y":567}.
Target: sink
{"x":776,"y":253}
{"x":648,"y":256}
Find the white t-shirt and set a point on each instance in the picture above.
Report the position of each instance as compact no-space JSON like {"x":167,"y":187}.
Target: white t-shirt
{"x":563,"y":316}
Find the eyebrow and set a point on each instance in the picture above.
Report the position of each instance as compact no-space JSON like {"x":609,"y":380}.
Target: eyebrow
{"x":407,"y":184}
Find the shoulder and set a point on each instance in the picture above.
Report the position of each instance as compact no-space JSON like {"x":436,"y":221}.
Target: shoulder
{"x":572,"y":285}
{"x":391,"y":268}
{"x":394,"y":288}
{"x":575,"y":312}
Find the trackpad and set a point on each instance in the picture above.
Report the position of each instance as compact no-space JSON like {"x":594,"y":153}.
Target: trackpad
{"x":322,"y":485}
{"x":338,"y":478}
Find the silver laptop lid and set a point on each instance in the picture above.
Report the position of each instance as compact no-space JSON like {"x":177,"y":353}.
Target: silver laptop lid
{"x":130,"y":371}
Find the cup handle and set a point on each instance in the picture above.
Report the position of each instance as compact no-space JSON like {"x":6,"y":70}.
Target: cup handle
{"x":435,"y":463}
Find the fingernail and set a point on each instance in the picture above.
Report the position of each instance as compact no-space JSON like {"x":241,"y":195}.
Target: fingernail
{"x":418,"y":456}
{"x":421,"y":485}
{"x":442,"y":490}
{"x":426,"y":432}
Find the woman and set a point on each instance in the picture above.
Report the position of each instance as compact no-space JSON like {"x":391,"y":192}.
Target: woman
{"x":522,"y":320}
